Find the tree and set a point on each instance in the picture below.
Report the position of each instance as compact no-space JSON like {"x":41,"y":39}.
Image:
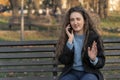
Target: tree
{"x":33,"y":4}
{"x":103,"y":8}
{"x":94,"y":5}
{"x":98,"y":6}
{"x":106,"y":9}
{"x":72,"y":3}
{"x":15,"y":6}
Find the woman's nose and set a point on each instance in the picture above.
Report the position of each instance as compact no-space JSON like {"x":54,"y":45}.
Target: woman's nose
{"x":75,"y":22}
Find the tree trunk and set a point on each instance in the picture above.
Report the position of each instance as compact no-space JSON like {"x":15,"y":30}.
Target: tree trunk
{"x":106,"y":9}
{"x":36,"y":6}
{"x":95,"y":5}
{"x":101,"y":9}
{"x":87,"y":4}
{"x":15,"y":5}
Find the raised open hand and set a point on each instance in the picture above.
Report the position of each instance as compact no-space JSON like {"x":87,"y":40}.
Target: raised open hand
{"x":92,"y":52}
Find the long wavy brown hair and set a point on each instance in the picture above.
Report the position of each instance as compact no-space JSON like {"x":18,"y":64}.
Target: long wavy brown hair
{"x":88,"y":26}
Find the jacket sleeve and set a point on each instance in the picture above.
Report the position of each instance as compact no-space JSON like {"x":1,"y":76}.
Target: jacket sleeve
{"x":100,"y":56}
{"x":66,"y":57}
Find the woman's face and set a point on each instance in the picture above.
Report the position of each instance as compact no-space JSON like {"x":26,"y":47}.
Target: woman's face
{"x":77,"y":22}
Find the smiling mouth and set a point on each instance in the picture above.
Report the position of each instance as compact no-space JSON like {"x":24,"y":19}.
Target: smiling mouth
{"x":75,"y":26}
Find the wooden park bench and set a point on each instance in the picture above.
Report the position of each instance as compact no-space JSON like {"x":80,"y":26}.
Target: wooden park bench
{"x":35,"y":60}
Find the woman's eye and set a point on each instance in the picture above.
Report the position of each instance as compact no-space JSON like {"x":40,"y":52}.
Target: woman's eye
{"x":78,"y":19}
{"x":72,"y":19}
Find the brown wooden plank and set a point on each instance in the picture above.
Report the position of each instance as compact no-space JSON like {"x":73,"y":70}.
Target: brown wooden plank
{"x":25,"y":55}
{"x":112,"y":77}
{"x":45,"y":42}
{"x":28,"y":69}
{"x":113,"y":61}
{"x":27,"y":63}
{"x":30,"y":78}
{"x":111,"y":40}
{"x":28,"y":43}
{"x":107,"y":68}
{"x":26,"y":49}
{"x":112,"y":47}
{"x":112,"y":53}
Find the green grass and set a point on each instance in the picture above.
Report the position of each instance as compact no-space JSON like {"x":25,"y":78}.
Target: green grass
{"x":4,"y":19}
{"x":110,"y":28}
{"x":112,"y":21}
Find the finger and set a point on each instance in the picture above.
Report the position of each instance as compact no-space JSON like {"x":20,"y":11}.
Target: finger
{"x":94,"y":43}
{"x":66,"y":30}
{"x":68,"y":27}
{"x":88,"y":49}
{"x":95,"y":46}
{"x":72,"y":32}
{"x":92,"y":48}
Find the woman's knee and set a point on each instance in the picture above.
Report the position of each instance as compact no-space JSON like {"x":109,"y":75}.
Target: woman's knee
{"x":89,"y":76}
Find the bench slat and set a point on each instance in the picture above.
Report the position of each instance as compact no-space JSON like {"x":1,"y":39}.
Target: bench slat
{"x":107,"y":68}
{"x":112,"y":53}
{"x":112,"y":77}
{"x":113,"y":61}
{"x":30,"y":78}
{"x":28,"y":43}
{"x":25,"y":55}
{"x":27,"y":63}
{"x":26,"y":49}
{"x":28,"y":69}
{"x":112,"y":48}
{"x":45,"y":42}
{"x":111,"y":40}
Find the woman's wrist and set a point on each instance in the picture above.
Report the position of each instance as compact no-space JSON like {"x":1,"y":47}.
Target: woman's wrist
{"x":94,"y":62}
{"x":70,"y":41}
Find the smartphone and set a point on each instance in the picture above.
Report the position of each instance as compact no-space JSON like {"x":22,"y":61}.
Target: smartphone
{"x":70,"y":29}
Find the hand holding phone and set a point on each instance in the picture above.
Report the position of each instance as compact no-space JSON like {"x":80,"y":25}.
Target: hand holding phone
{"x":69,"y":32}
{"x":70,"y":29}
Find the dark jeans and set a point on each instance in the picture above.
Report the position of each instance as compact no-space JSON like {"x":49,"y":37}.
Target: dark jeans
{"x":79,"y":75}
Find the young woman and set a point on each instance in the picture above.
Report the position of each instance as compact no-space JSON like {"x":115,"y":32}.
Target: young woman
{"x":80,"y":47}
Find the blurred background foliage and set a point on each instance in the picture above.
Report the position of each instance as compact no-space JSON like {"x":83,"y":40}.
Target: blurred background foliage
{"x":43,"y":18}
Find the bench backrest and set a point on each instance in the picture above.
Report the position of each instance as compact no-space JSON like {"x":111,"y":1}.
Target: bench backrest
{"x":35,"y":60}
{"x":111,"y":70}
{"x":27,"y":60}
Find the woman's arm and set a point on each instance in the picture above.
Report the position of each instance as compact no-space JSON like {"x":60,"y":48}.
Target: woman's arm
{"x":66,"y":57}
{"x":100,"y":56}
